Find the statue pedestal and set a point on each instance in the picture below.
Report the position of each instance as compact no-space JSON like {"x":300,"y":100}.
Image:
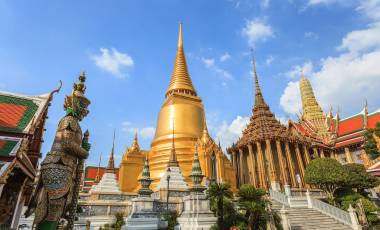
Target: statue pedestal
{"x":143,"y":216}
{"x":196,"y":213}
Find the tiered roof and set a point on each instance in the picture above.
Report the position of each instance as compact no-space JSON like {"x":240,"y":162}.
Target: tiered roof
{"x":22,"y":120}
{"x":263,"y":124}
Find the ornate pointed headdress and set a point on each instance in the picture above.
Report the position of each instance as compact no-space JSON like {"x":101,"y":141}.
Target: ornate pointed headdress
{"x":76,"y":104}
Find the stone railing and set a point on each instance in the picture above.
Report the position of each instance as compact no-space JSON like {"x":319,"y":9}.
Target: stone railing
{"x":348,"y":218}
{"x":334,"y":212}
{"x":279,"y":197}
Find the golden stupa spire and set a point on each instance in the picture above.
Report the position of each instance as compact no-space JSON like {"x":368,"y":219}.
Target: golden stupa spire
{"x":205,"y":136}
{"x":180,"y":81}
{"x":135,"y":146}
{"x":310,"y":106}
{"x":173,"y":162}
{"x":111,"y":161}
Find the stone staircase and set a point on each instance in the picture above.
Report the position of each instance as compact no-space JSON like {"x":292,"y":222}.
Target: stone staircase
{"x":302,"y":218}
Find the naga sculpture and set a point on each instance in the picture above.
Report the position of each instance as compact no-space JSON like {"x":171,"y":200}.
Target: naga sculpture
{"x":56,"y":193}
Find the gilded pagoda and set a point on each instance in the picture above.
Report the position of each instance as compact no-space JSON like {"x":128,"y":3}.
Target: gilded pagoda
{"x":184,"y":110}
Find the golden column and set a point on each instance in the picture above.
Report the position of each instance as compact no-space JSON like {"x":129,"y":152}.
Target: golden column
{"x":262,"y":170}
{"x":299,"y":159}
{"x":348,"y":155}
{"x":234,"y":159}
{"x":365,"y":158}
{"x":290,"y":165}
{"x":241,"y":167}
{"x":253,"y":165}
{"x":307,"y":155}
{"x":322,"y":153}
{"x":272,"y":173}
{"x":332,"y":156}
{"x":315,"y":151}
{"x":300,"y":163}
{"x":281,"y":159}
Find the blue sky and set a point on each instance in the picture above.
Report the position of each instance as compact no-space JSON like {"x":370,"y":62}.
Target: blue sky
{"x":127,"y":49}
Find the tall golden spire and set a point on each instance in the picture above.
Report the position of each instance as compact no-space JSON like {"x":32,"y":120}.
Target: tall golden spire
{"x":135,"y":146}
{"x":111,"y":162}
{"x":180,"y":81}
{"x":310,"y":106}
{"x":173,"y":162}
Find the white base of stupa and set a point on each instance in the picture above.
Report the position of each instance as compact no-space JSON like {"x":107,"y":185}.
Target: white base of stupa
{"x":196,"y":213}
{"x":143,"y":217}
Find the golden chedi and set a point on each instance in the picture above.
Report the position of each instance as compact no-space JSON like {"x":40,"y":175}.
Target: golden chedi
{"x":182,"y":120}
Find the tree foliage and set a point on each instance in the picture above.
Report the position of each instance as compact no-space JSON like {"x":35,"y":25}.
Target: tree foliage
{"x":370,"y":144}
{"x":359,"y":178}
{"x":327,"y":174}
{"x":255,"y":205}
{"x":217,"y":193}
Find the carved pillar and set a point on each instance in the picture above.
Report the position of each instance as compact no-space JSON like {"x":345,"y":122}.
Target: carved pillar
{"x":322,"y":153}
{"x":282,"y":163}
{"x":301,"y":166}
{"x":332,"y":154}
{"x":315,"y":152}
{"x":272,"y":172}
{"x":253,"y":166}
{"x":348,"y":155}
{"x":262,"y":169}
{"x":1,"y":188}
{"x":234,"y":159}
{"x":241,"y":167}
{"x":290,"y":165}
{"x":307,"y":155}
{"x":365,"y":158}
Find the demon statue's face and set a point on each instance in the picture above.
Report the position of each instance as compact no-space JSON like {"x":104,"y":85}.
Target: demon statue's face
{"x":76,"y":104}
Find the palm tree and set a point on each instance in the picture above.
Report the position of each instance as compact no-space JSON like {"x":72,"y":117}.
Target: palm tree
{"x":255,"y":205}
{"x":217,"y":192}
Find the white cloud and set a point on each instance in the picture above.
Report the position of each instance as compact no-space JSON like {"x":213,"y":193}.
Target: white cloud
{"x":225,"y":57}
{"x":371,"y":8}
{"x":295,"y":71}
{"x":269,"y":60}
{"x":229,"y":133}
{"x":257,"y":30}
{"x":312,"y":35}
{"x":145,"y":132}
{"x":324,"y":2}
{"x":210,"y":64}
{"x":290,"y":100}
{"x":113,"y":61}
{"x":347,"y":79}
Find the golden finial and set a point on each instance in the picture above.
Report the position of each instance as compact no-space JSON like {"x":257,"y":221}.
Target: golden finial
{"x":180,"y":81}
{"x":180,"y":42}
{"x":97,"y":178}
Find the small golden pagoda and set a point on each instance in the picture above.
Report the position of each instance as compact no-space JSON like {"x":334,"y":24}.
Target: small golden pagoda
{"x":182,"y":109}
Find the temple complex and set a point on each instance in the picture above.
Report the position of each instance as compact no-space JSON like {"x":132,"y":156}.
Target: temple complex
{"x":330,"y":135}
{"x":22,"y":121}
{"x":268,"y":155}
{"x":183,"y":109}
{"x":271,"y":155}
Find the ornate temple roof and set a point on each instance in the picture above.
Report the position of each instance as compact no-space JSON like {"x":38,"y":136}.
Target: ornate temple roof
{"x":90,"y":173}
{"x":180,"y":81}
{"x":22,"y":121}
{"x":263,"y":124}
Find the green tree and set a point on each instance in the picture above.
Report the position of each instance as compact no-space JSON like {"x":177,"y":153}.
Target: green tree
{"x":255,"y":205}
{"x":370,"y":145}
{"x":217,"y":192}
{"x":327,"y":174}
{"x":359,"y":178}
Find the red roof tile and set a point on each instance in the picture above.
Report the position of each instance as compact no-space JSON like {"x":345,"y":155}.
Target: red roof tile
{"x":10,"y":115}
{"x":350,"y":125}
